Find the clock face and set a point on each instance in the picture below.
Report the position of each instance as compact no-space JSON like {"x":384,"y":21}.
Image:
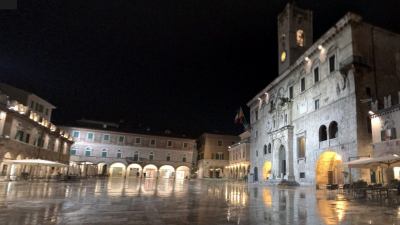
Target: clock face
{"x":283,"y":56}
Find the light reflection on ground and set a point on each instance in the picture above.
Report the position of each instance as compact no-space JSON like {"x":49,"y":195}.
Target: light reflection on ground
{"x":150,"y":201}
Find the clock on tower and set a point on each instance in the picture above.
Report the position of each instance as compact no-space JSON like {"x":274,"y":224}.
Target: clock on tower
{"x":295,"y":34}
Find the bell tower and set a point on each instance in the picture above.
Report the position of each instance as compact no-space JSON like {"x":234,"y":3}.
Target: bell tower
{"x":295,"y":34}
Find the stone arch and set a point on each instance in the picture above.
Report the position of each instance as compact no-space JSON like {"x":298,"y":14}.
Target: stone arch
{"x":150,"y":171}
{"x":333,"y":130}
{"x":134,"y":170}
{"x":117,"y":169}
{"x":267,"y":170}
{"x":182,"y":172}
{"x":8,"y":155}
{"x":329,"y":169}
{"x":323,"y":134}
{"x":102,"y":168}
{"x":167,"y":171}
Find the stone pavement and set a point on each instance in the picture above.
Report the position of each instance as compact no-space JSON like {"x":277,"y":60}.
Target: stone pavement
{"x":167,"y":202}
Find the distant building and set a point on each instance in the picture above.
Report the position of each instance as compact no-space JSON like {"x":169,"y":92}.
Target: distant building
{"x":102,"y":148}
{"x":27,"y":133}
{"x":213,"y":154}
{"x":314,"y":115}
{"x":239,"y":158}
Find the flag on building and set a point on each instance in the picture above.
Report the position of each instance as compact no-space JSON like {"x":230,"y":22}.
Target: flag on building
{"x":239,"y":118}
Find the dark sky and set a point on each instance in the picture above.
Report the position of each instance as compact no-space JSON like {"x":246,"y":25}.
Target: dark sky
{"x":182,"y":65}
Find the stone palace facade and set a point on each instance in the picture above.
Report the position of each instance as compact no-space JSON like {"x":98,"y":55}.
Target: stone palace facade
{"x":314,"y":116}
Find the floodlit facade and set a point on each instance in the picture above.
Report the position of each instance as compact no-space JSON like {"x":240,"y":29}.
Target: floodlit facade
{"x":101,"y":149}
{"x":385,"y":124}
{"x":314,"y":115}
{"x":213,"y":155}
{"x":239,"y":158}
{"x":27,"y":133}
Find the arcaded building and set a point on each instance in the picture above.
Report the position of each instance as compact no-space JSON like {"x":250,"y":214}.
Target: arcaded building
{"x":27,"y":133}
{"x":103,"y":148}
{"x":213,"y":155}
{"x":239,"y":158}
{"x":314,"y":116}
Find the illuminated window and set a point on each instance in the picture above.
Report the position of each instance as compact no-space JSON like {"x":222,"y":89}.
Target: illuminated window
{"x":300,"y":38}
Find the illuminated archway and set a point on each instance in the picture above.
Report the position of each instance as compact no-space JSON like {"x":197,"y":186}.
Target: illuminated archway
{"x":267,"y":170}
{"x":102,"y":169}
{"x":329,"y":169}
{"x":134,"y":170}
{"x":182,"y":172}
{"x":150,"y":171}
{"x":117,"y":169}
{"x":167,"y":171}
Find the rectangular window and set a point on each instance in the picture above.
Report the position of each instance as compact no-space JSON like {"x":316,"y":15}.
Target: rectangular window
{"x":121,"y":139}
{"x":168,"y":157}
{"x":316,"y":104}
{"x":153,"y":142}
{"x":291,"y":92}
{"x":301,"y":145}
{"x":27,"y":137}
{"x":47,"y":112}
{"x":303,"y":84}
{"x":88,"y":152}
{"x":119,"y":155}
{"x":332,"y":64}
{"x":75,"y":134}
{"x":219,"y":142}
{"x":106,"y":137}
{"x":185,"y":145}
{"x":137,"y":140}
{"x":316,"y":74}
{"x":104,"y":154}
{"x":136,"y":156}
{"x":72,"y":152}
{"x":302,"y":175}
{"x":90,"y":136}
{"x":169,"y":143}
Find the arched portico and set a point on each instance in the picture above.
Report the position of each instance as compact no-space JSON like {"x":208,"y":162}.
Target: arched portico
{"x":167,"y":171}
{"x":150,"y":171}
{"x":182,"y":172}
{"x":117,"y":169}
{"x":329,"y":169}
{"x":134,"y":170}
{"x":102,"y":169}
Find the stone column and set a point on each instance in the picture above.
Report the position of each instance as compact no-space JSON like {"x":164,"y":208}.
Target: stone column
{"x":290,"y":150}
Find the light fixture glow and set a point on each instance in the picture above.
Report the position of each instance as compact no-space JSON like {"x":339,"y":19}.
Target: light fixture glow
{"x":320,"y":47}
{"x":371,"y":113}
{"x":307,"y":59}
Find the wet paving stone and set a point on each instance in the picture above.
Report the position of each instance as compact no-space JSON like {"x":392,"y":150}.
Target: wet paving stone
{"x":168,"y":202}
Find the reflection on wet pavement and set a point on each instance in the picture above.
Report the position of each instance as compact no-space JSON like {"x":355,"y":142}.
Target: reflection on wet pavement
{"x":150,"y":201}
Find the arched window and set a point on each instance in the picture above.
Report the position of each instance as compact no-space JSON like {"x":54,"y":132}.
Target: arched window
{"x":88,"y":151}
{"x":104,"y":153}
{"x":322,"y":133}
{"x":119,"y":154}
{"x":265,"y":149}
{"x":269,"y":148}
{"x":333,"y":130}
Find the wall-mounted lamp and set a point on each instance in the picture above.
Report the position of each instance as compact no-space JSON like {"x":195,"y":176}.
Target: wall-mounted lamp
{"x":371,"y":113}
{"x":320,"y":47}
{"x":307,"y":59}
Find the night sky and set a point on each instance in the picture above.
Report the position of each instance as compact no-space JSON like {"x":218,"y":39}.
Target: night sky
{"x":185,"y":65}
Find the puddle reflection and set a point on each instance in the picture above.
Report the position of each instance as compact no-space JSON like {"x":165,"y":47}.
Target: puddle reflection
{"x":152,"y":201}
